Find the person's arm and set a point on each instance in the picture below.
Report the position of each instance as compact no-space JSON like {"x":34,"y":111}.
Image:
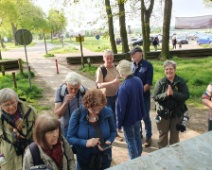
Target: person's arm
{"x":159,"y":94}
{"x":206,"y":97}
{"x":149,"y":79}
{"x":60,"y":107}
{"x":27,"y":160}
{"x":114,"y":82}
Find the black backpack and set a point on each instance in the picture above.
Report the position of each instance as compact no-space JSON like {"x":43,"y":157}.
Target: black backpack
{"x":37,"y":161}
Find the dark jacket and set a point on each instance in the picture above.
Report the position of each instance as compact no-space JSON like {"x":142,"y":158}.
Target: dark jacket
{"x":130,"y":106}
{"x":175,"y":104}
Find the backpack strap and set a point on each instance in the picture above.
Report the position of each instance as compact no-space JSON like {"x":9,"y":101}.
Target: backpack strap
{"x":35,"y":154}
{"x":104,"y":71}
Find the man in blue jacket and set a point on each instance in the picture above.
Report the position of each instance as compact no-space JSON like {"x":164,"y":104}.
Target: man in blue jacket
{"x":130,"y":108}
{"x":144,"y":70}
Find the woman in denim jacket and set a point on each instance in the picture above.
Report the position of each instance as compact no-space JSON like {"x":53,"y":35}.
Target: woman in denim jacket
{"x":91,"y":127}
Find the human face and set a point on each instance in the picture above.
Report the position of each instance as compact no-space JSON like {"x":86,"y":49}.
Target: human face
{"x":170,"y":72}
{"x":136,"y":57}
{"x":51,"y":138}
{"x":108,"y":60}
{"x":73,"y":89}
{"x":95,"y":110}
{"x":10,"y":106}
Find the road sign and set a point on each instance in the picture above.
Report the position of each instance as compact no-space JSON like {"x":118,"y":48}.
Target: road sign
{"x":23,"y":37}
{"x":97,"y":36}
{"x":80,"y":39}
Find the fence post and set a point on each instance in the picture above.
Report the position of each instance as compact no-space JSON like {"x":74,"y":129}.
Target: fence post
{"x":20,"y":63}
{"x":57,"y":66}
{"x":14,"y":80}
{"x":3,"y":70}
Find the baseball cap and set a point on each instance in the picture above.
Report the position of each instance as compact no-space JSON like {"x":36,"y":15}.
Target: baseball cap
{"x":134,"y":50}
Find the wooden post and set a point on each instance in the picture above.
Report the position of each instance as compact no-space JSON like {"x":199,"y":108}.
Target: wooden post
{"x":81,"y":50}
{"x":57,"y":66}
{"x":2,"y":70}
{"x":20,"y":64}
{"x":14,"y":80}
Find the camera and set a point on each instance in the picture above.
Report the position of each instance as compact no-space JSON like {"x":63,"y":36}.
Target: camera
{"x":19,"y":147}
{"x":157,"y":118}
{"x":182,"y":127}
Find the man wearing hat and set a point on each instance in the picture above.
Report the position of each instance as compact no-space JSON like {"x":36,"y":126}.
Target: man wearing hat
{"x":144,"y":70}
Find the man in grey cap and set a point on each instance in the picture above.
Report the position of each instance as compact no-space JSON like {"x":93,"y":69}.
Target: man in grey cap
{"x":144,"y":70}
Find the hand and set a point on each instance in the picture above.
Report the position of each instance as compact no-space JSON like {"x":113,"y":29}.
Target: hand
{"x":107,"y":143}
{"x":68,"y":98}
{"x":92,"y":142}
{"x":169,"y":91}
{"x":119,"y":130}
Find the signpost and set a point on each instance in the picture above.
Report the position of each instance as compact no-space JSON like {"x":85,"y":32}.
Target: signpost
{"x":98,"y":37}
{"x":24,"y":37}
{"x":80,"y":39}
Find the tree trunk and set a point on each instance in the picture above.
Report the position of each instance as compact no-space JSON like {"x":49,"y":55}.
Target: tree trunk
{"x":122,"y":25}
{"x":44,"y":38}
{"x":166,"y":26}
{"x":145,"y":20}
{"x":110,"y":26}
{"x":14,"y":29}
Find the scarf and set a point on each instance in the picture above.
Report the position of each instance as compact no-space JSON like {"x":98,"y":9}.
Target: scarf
{"x":56,"y":154}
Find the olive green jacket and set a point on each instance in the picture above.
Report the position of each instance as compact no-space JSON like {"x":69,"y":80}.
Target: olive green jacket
{"x":68,"y":158}
{"x":11,"y":160}
{"x":175,"y":103}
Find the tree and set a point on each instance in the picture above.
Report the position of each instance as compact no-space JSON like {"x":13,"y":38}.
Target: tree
{"x":166,"y":27}
{"x":110,"y":26}
{"x":57,"y":22}
{"x":122,"y":26}
{"x":145,"y":20}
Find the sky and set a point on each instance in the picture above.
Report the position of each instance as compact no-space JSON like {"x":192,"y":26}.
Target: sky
{"x":180,"y":8}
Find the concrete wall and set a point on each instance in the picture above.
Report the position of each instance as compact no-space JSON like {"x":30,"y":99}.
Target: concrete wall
{"x":191,"y":154}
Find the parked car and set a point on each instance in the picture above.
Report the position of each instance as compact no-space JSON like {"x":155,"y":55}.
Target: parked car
{"x":118,"y":41}
{"x":182,"y":40}
{"x":204,"y":40}
{"x":139,"y":41}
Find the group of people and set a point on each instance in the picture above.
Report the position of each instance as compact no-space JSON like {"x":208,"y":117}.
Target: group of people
{"x":86,"y":122}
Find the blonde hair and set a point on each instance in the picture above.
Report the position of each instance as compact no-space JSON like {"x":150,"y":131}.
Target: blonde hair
{"x":124,"y":68}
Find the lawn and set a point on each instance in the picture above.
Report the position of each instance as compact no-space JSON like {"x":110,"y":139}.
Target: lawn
{"x":196,"y":72}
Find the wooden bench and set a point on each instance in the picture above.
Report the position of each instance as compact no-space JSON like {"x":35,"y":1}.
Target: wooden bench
{"x":9,"y":64}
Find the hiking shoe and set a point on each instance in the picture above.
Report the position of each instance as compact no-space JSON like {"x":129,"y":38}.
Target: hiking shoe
{"x":148,"y":142}
{"x":119,"y":138}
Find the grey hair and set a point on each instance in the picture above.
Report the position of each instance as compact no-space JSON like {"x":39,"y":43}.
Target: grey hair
{"x":7,"y":94}
{"x":170,"y":62}
{"x":108,"y":53}
{"x":124,"y":68}
{"x":73,"y":78}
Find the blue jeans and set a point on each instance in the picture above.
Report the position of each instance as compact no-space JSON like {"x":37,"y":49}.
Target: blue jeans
{"x":133,"y":139}
{"x":146,"y":119}
{"x":111,"y":102}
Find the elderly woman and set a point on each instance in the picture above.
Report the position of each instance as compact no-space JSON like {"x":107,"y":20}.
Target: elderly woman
{"x":16,"y":124}
{"x":130,"y":108}
{"x":54,"y":150}
{"x":91,"y":131}
{"x":170,"y":94}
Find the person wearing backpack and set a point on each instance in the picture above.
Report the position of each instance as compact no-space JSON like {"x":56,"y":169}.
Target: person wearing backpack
{"x":68,"y":97}
{"x":207,"y":101}
{"x":107,"y":79}
{"x":16,"y":123}
{"x":50,"y":148}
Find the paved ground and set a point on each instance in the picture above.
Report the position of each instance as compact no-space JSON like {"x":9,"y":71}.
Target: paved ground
{"x":46,"y":69}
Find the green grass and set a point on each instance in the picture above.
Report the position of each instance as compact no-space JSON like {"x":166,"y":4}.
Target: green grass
{"x":10,"y":46}
{"x":23,"y":88}
{"x":196,"y":72}
{"x":59,"y":50}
